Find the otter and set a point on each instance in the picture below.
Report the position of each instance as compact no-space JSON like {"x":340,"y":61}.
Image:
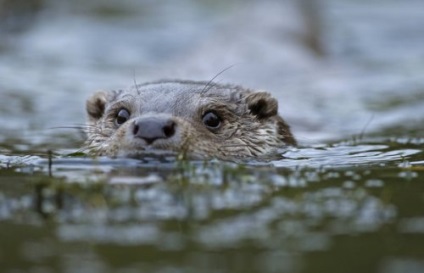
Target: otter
{"x":200,"y":119}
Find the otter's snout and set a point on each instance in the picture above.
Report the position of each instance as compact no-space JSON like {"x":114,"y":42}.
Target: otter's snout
{"x":153,"y":128}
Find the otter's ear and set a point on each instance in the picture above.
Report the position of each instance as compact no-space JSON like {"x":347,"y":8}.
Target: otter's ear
{"x":262,"y":104}
{"x":95,"y":105}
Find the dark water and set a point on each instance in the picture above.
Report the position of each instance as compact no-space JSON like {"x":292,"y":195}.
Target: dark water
{"x":350,"y":198}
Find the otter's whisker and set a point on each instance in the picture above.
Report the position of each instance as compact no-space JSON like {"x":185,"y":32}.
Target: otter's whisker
{"x":135,"y":82}
{"x":214,"y":77}
{"x":70,"y":127}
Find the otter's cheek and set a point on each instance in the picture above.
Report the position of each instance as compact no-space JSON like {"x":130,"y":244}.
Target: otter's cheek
{"x":237,"y":148}
{"x":115,"y":143}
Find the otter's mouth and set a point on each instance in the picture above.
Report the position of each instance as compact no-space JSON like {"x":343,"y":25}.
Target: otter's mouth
{"x":148,"y":153}
{"x":161,"y":155}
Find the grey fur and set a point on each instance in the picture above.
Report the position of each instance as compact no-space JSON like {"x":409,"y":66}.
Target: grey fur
{"x":251,"y":126}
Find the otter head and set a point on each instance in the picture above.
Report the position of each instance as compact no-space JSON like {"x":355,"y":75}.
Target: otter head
{"x":195,"y":118}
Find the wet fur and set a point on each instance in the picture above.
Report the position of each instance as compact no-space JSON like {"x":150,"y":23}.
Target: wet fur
{"x":251,"y":126}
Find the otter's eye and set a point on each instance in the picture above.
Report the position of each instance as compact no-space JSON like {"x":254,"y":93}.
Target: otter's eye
{"x":122,"y":116}
{"x":211,"y":120}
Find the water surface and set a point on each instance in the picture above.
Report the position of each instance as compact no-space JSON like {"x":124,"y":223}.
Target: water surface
{"x":350,"y":198}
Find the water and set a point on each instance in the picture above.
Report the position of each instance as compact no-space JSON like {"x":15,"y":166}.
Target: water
{"x":348,"y":199}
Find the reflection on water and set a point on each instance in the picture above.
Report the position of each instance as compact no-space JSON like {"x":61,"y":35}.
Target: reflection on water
{"x":354,"y":204}
{"x":190,"y":216}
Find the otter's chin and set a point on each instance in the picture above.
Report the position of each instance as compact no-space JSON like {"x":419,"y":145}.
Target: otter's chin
{"x":150,"y":153}
{"x":140,"y":148}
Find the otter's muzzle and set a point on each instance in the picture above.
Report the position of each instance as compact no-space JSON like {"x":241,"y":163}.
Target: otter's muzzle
{"x":153,"y":128}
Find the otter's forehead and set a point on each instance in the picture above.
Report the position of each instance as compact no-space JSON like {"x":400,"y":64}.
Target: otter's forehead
{"x":179,"y":97}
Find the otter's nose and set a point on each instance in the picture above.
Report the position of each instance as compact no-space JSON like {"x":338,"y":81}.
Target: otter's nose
{"x":153,"y":128}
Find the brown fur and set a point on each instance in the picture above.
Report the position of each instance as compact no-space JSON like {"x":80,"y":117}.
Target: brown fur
{"x":250,"y":124}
